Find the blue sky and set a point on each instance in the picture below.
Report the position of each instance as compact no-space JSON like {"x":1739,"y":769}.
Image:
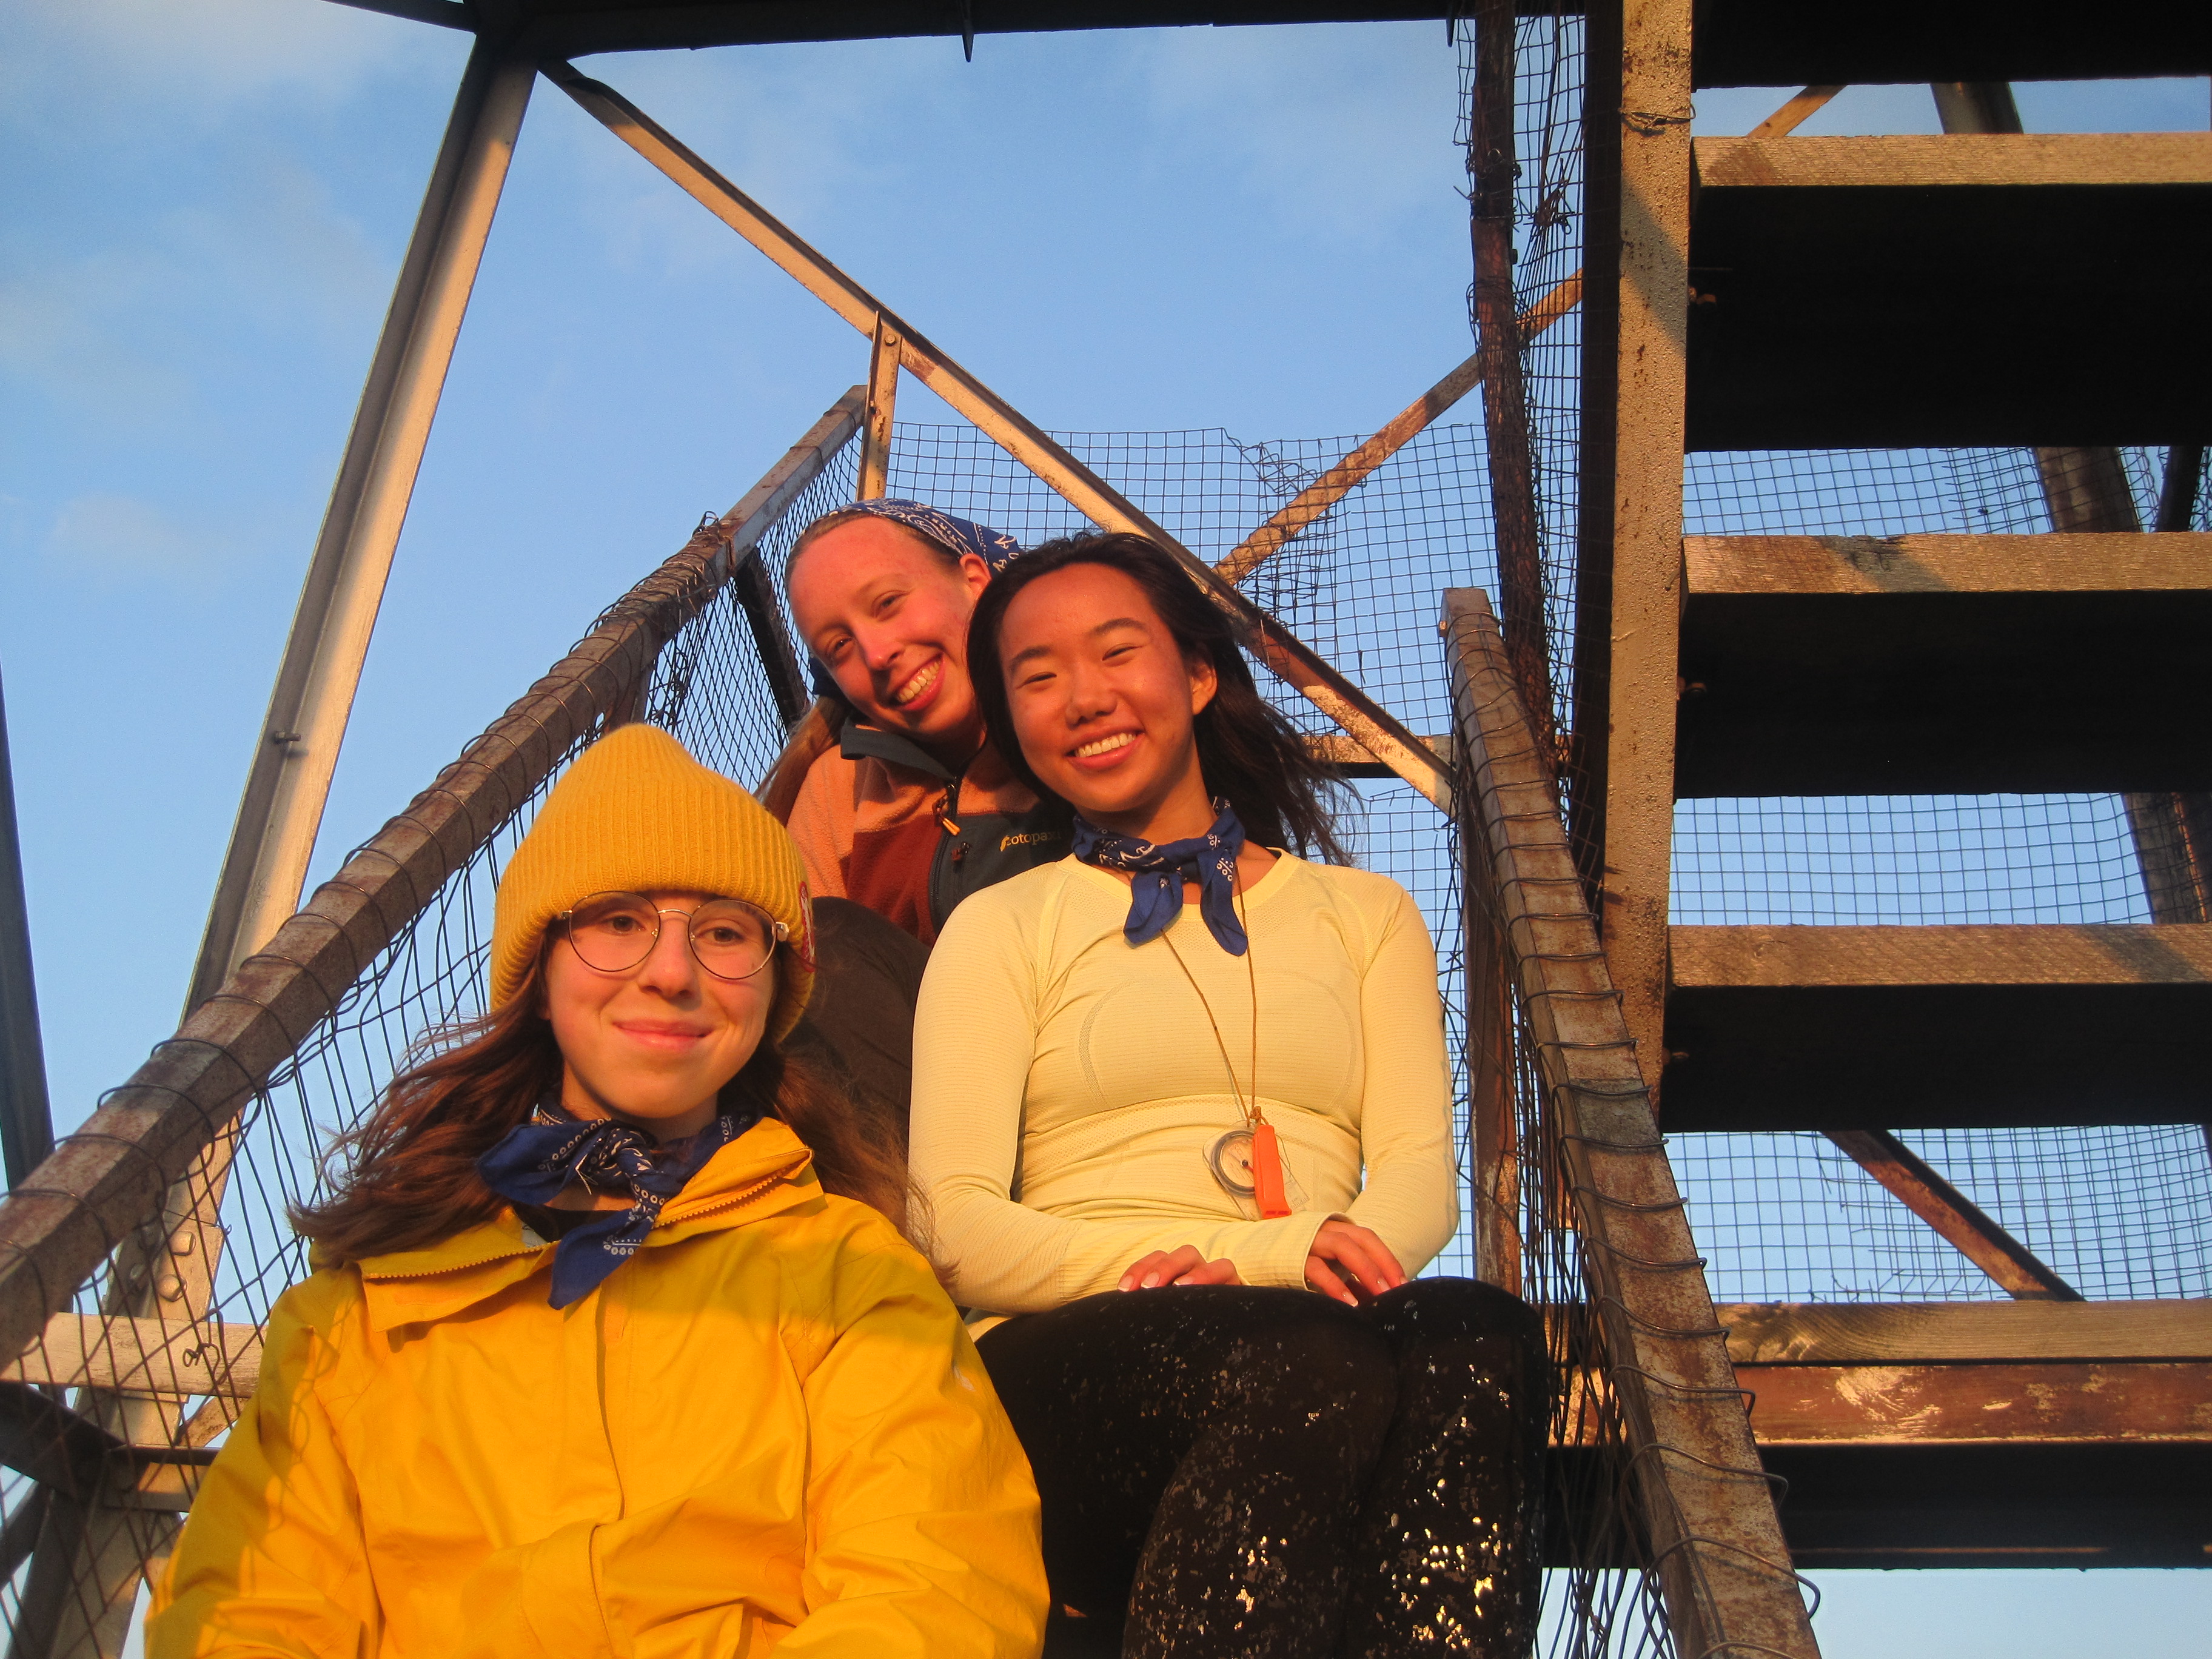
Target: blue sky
{"x":205,"y":202}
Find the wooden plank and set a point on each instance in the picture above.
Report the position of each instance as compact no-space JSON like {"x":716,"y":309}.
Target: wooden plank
{"x":1927,"y":1333}
{"x":1717,"y":1547}
{"x":1649,"y":89}
{"x":2056,"y":954}
{"x":1957,"y":1219}
{"x":143,"y":1356}
{"x":2016,"y":1404}
{"x":1860,"y":565}
{"x":1952,"y":159}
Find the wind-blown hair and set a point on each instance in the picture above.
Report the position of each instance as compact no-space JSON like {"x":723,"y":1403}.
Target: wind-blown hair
{"x":1247,"y":752}
{"x":406,"y":1176}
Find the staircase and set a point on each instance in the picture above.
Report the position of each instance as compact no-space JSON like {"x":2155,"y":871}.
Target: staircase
{"x":1982,"y":288}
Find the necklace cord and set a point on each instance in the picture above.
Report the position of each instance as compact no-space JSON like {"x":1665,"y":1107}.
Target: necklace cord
{"x":1250,"y":1113}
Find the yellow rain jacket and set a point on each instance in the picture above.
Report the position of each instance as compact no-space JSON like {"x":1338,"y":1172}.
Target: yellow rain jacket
{"x":766,"y":1432}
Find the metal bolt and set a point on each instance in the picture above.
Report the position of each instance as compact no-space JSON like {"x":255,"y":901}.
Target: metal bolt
{"x":169,"y":1288}
{"x":183,"y":1242}
{"x":283,"y":737}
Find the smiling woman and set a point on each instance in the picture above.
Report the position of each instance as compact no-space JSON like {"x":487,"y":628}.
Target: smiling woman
{"x":605,"y":1284}
{"x":905,"y":806}
{"x":1182,"y":1167}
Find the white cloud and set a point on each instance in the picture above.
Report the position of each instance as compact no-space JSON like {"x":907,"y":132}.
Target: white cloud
{"x":1346,"y":127}
{"x":114,"y":538}
{"x":203,"y":56}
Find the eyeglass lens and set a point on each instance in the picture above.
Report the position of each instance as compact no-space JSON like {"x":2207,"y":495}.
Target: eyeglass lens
{"x":616,"y":932}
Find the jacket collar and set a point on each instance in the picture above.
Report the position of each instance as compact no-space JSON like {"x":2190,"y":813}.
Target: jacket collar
{"x":765,"y":1172}
{"x":874,"y":743}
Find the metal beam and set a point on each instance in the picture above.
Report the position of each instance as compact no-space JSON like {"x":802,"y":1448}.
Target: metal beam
{"x":27,"y":1122}
{"x":1795,"y":113}
{"x":1491,"y":170}
{"x":1377,"y":730}
{"x":1922,"y":1189}
{"x":1716,"y":1547}
{"x":296,"y":748}
{"x":1324,"y":492}
{"x":883,"y":405}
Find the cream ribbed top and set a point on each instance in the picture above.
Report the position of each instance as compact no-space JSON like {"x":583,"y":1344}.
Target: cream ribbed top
{"x":1066,"y":1086}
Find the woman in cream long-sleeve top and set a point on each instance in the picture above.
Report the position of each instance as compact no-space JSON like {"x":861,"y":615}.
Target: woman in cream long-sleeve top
{"x":1182,"y":1116}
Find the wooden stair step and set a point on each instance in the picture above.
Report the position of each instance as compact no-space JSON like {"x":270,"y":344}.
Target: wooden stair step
{"x":1944,"y":665}
{"x":1791,"y":1028}
{"x":1959,"y":290}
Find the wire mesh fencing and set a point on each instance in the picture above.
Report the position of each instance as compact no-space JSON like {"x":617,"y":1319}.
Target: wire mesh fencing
{"x":108,"y":1415}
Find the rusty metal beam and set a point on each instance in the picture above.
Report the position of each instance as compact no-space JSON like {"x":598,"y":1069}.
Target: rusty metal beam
{"x":1318,"y":497}
{"x":1795,"y":113}
{"x":883,"y":404}
{"x":1523,"y":611}
{"x":1922,"y":1189}
{"x":1717,"y":1548}
{"x":750,"y":580}
{"x":1305,"y":671}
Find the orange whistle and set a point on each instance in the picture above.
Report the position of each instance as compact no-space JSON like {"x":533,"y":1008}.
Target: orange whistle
{"x":1267,"y":1172}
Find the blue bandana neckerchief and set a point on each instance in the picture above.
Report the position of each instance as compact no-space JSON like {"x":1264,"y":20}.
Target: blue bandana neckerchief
{"x":956,"y":535}
{"x":534,"y":1161}
{"x":1157,"y":875}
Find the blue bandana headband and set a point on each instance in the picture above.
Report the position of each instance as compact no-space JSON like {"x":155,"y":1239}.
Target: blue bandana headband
{"x":958,"y":537}
{"x":535,"y":1161}
{"x":1157,"y":874}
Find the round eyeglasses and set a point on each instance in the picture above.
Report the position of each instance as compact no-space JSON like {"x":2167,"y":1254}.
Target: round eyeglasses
{"x":615,"y":932}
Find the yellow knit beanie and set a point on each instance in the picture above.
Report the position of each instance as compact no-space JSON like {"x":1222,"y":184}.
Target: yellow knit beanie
{"x":636,"y":814}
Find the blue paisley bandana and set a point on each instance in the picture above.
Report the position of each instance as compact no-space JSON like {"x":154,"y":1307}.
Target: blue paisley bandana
{"x":534,"y":1161}
{"x":954,"y":536}
{"x":1158,"y":873}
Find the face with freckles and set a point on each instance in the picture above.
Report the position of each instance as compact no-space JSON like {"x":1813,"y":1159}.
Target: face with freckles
{"x":1103,"y":701}
{"x":653,"y":1047}
{"x":887,"y":613}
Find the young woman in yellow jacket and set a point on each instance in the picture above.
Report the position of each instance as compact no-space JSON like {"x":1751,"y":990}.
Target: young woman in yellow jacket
{"x":1182,"y":1113}
{"x":613,"y":1347}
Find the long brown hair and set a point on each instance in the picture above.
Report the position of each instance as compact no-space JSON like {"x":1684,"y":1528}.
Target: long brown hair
{"x":406,"y":1176}
{"x":1247,"y":752}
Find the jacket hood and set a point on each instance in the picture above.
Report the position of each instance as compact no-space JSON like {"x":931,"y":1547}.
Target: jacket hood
{"x":766,"y":1171}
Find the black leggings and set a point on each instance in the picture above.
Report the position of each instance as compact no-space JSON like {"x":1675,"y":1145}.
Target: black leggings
{"x":1269,"y":1473}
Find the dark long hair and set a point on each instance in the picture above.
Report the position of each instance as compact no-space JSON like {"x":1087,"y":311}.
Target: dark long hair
{"x":1247,"y":752}
{"x":406,"y":1176}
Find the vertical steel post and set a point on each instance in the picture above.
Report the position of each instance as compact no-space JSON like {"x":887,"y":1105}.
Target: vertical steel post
{"x":883,"y":404}
{"x":297,"y":749}
{"x":26,"y":1123}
